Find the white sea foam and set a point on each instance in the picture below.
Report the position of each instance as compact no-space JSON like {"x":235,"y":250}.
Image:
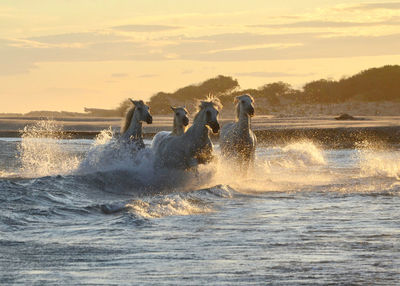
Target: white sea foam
{"x":168,"y":205}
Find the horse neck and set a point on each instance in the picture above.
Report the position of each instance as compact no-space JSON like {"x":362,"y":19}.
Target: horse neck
{"x":178,"y":129}
{"x":244,"y":122}
{"x":198,"y":132}
{"x":135,"y":128}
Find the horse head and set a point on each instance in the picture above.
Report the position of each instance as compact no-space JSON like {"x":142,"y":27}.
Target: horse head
{"x":142,"y":111}
{"x":210,"y":109}
{"x":244,"y":104}
{"x":180,"y":116}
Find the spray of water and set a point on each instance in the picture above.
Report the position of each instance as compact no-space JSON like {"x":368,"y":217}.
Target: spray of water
{"x":379,"y":162}
{"x":41,"y":152}
{"x":276,"y":169}
{"x":300,"y":165}
{"x":169,"y":205}
{"x":284,"y":168}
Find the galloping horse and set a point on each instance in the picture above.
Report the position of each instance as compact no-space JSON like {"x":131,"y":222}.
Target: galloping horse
{"x":179,"y":127}
{"x":131,"y":130}
{"x":237,"y":140}
{"x":193,"y":147}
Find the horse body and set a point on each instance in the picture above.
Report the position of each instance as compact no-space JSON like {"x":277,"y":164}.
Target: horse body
{"x":179,"y":127}
{"x":193,"y":147}
{"x":237,"y":140}
{"x":131,"y":130}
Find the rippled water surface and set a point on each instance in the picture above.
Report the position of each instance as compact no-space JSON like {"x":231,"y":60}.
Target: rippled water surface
{"x":90,"y":212}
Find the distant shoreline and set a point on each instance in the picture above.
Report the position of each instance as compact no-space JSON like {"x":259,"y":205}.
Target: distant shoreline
{"x":323,"y":130}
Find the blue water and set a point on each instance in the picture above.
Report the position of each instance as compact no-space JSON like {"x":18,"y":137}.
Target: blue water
{"x":75,"y":212}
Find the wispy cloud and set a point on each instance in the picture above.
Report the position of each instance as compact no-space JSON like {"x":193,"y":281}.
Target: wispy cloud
{"x":255,"y":47}
{"x":330,"y":24}
{"x":69,"y":91}
{"x":83,"y":38}
{"x":313,"y":46}
{"x":321,"y":33}
{"x":144,"y":28}
{"x":272,"y":74}
{"x":214,"y":48}
{"x":147,"y":75}
{"x":378,"y":5}
{"x":187,"y":72}
{"x":119,"y":75}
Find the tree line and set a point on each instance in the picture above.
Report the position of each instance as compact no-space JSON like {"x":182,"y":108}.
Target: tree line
{"x":371,"y":85}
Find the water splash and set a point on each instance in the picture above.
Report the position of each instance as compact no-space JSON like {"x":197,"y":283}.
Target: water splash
{"x":378,"y":162}
{"x":284,"y":168}
{"x":169,"y":205}
{"x":301,"y":154}
{"x":104,"y":137}
{"x":41,"y":153}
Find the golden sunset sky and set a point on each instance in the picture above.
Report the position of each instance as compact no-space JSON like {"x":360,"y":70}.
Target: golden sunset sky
{"x":65,"y":55}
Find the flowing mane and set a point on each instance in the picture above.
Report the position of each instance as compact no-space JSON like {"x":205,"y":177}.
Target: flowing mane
{"x":210,"y":101}
{"x":127,"y":120}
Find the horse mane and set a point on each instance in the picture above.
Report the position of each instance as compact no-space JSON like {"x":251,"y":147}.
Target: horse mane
{"x":128,"y":119}
{"x":237,"y":106}
{"x":209,"y":101}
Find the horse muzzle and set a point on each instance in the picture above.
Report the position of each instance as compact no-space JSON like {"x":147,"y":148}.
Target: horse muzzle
{"x":251,"y":111}
{"x":149,"y":119}
{"x":214,"y":127}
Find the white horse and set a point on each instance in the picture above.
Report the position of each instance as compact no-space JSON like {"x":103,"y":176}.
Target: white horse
{"x":131,"y":129}
{"x":193,"y":147}
{"x":181,"y":121}
{"x":237,"y":140}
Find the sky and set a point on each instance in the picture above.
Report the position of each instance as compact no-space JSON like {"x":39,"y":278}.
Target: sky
{"x":70,"y":54}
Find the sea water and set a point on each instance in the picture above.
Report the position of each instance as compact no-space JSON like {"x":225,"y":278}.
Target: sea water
{"x":90,"y":212}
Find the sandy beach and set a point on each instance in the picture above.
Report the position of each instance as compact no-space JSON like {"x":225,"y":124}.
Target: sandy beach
{"x":324,"y":130}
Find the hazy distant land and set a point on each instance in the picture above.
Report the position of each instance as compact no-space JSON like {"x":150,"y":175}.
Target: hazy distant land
{"x":283,"y":113}
{"x":324,"y":130}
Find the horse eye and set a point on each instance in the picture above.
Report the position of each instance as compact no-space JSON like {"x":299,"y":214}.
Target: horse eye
{"x":177,"y":114}
{"x":139,"y":108}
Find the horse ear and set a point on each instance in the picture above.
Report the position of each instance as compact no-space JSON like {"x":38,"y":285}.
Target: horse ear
{"x":173,"y":108}
{"x":136,"y":102}
{"x":132,"y":101}
{"x":236,"y":100}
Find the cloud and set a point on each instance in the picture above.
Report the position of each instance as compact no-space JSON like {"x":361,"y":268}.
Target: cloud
{"x":313,"y":46}
{"x":193,"y":47}
{"x":272,"y":74}
{"x":21,"y":56}
{"x":83,"y":38}
{"x":329,"y":24}
{"x":147,"y":75}
{"x":69,"y":91}
{"x":144,"y":28}
{"x":119,"y":75}
{"x":380,"y":5}
{"x":187,"y":72}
